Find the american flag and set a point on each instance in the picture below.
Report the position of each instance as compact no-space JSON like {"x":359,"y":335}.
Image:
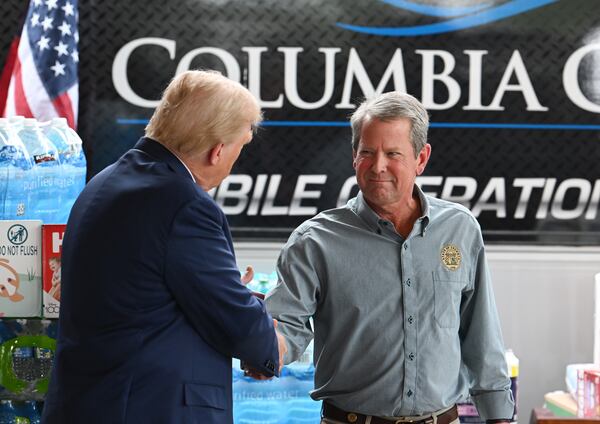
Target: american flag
{"x":43,"y":70}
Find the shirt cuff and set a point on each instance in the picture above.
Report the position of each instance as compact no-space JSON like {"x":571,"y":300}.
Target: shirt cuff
{"x":494,"y":405}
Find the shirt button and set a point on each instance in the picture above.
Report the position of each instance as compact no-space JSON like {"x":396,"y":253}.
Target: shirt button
{"x":410,"y":319}
{"x":409,"y":393}
{"x":408,"y":282}
{"x":411,"y":356}
{"x":405,"y":246}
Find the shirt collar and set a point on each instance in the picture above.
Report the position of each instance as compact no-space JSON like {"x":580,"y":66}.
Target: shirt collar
{"x":375,"y":222}
{"x":161,"y":152}
{"x":186,"y":167}
{"x":425,"y":209}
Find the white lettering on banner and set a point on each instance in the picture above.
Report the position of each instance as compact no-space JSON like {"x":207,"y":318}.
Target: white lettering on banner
{"x":237,"y":188}
{"x":259,"y":187}
{"x":583,"y":186}
{"x":57,"y":239}
{"x":355,"y":72}
{"x":493,"y":196}
{"x":526,"y":185}
{"x":290,"y":55}
{"x":475,"y":65}
{"x":494,"y":189}
{"x":542,"y":211}
{"x":119,"y":69}
{"x":517,"y":67}
{"x":232,"y":68}
{"x":269,"y":207}
{"x":429,"y":77}
{"x":571,"y":81}
{"x":254,"y":65}
{"x":226,"y":192}
{"x":469,"y":186}
{"x":300,"y":193}
{"x":242,"y":194}
{"x":347,"y":187}
{"x":592,"y":210}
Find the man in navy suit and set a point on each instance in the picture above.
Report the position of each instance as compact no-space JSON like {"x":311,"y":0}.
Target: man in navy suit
{"x":153,"y":308}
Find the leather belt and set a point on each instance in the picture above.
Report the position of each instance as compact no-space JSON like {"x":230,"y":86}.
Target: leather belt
{"x":337,"y":414}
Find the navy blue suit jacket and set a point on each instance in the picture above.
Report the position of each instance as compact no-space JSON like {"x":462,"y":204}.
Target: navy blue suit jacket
{"x":152,"y":307}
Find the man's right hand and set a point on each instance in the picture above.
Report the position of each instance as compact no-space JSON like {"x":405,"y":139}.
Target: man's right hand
{"x":282,"y":348}
{"x":281,"y":344}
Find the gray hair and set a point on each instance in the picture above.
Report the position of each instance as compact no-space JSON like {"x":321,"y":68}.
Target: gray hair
{"x":390,"y":107}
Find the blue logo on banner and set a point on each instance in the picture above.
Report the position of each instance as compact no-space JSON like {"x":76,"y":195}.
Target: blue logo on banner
{"x":459,"y":18}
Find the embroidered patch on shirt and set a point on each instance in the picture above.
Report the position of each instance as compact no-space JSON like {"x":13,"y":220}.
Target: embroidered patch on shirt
{"x":451,"y":257}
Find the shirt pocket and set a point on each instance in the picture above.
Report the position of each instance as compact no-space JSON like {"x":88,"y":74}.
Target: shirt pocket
{"x":447,"y":296}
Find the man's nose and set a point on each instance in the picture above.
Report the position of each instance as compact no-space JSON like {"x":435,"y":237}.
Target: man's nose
{"x":379,"y":163}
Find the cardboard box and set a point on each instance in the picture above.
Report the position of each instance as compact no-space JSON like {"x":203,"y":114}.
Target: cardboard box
{"x":20,"y":268}
{"x":52,"y":237}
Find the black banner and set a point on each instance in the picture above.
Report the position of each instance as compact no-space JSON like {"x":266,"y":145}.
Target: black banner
{"x":512,"y":87}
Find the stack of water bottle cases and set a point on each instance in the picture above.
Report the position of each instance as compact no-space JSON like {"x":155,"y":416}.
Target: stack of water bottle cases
{"x":42,"y":171}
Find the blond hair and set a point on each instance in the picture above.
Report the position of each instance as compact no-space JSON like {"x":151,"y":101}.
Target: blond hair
{"x":200,"y":109}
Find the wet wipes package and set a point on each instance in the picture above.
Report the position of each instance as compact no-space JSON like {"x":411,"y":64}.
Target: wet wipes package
{"x":20,"y":268}
{"x":52,"y":236}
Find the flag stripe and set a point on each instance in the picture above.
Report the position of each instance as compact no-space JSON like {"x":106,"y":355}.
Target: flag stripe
{"x":35,"y":91}
{"x":63,"y":107}
{"x":20,"y":101}
{"x":7,"y":71}
{"x":73,"y":94}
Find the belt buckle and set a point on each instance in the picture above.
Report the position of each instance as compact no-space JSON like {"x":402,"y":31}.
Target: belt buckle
{"x":404,"y":420}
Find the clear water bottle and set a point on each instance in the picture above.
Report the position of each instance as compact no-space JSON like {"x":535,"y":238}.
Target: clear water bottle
{"x":16,"y":122}
{"x":15,"y":168}
{"x":73,"y":163}
{"x":513,"y":372}
{"x":6,"y":153}
{"x":46,"y":167}
{"x":77,"y":160}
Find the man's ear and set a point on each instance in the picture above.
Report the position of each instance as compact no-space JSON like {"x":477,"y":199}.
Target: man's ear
{"x":214,"y":154}
{"x":423,"y":158}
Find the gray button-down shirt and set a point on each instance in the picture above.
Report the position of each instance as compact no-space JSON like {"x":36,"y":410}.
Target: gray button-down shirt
{"x":401,"y":327}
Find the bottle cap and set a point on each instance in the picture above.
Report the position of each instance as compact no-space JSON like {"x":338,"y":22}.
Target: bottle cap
{"x":30,"y":122}
{"x":59,"y":122}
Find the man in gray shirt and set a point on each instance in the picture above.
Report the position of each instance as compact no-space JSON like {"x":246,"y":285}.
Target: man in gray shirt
{"x":397,"y":284}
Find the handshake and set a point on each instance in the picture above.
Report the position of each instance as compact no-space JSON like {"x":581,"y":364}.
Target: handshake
{"x":281,"y":345}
